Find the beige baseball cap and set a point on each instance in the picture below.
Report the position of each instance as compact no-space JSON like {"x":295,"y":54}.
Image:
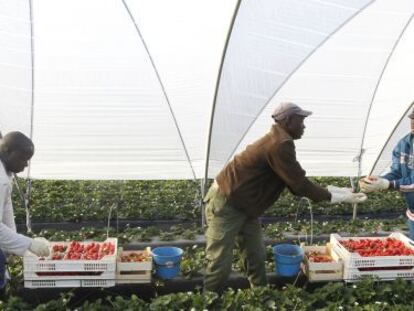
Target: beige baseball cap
{"x":287,"y":109}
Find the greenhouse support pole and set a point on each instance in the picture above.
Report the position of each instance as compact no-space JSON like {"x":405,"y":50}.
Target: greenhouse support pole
{"x":213,"y":108}
{"x":354,"y":211}
{"x":354,"y":205}
{"x":355,"y":187}
{"x":29,"y":181}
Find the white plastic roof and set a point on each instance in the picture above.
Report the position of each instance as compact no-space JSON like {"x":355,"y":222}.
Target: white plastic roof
{"x":152,"y":89}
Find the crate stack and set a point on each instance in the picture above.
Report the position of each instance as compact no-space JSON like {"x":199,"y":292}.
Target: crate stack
{"x":46,"y":272}
{"x":322,"y":271}
{"x":383,"y":267}
{"x":137,"y":269}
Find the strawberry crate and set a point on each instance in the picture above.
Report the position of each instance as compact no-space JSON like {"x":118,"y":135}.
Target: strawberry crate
{"x":47,"y":269}
{"x":382,"y":273}
{"x":354,"y":260}
{"x":322,"y":271}
{"x":134,"y":266}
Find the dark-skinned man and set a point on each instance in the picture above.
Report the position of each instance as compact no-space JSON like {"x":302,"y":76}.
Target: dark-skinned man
{"x":247,"y":186}
{"x":15,"y":151}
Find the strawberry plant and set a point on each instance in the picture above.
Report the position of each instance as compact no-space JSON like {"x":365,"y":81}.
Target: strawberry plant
{"x":193,"y":262}
{"x":169,"y":199}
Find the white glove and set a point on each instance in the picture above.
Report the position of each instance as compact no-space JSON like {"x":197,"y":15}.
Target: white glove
{"x":407,"y":188}
{"x":339,"y":195}
{"x":40,"y":247}
{"x":372,"y":184}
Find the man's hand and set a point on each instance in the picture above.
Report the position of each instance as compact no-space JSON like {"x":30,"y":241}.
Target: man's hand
{"x":373,"y":184}
{"x":339,"y":195}
{"x":40,"y":247}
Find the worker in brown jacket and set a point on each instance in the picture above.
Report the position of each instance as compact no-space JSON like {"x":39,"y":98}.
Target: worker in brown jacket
{"x":250,"y":184}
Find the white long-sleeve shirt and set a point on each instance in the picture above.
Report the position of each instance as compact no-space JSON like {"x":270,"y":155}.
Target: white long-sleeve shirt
{"x":10,"y":241}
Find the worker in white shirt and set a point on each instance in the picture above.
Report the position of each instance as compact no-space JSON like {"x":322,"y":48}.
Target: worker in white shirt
{"x":16,"y":150}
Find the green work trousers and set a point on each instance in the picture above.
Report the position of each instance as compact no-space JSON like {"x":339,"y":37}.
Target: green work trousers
{"x":228,"y":227}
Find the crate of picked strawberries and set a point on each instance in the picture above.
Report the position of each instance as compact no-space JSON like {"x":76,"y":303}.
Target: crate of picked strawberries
{"x":386,"y":258}
{"x":321,"y":264}
{"x":134,"y":266}
{"x":73,"y":264}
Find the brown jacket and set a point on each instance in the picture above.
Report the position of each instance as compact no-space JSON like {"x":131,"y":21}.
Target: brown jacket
{"x":255,"y":178}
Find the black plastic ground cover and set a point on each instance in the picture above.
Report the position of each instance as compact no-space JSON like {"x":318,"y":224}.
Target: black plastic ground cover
{"x":121,"y":224}
{"x":304,"y":215}
{"x":147,"y":291}
{"x":167,"y":223}
{"x":289,"y":238}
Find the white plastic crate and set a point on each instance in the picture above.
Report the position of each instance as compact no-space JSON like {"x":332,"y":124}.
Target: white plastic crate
{"x":322,"y":271}
{"x":404,"y":272}
{"x":47,"y":270}
{"x":68,"y":275}
{"x":354,"y":260}
{"x":133,"y":272}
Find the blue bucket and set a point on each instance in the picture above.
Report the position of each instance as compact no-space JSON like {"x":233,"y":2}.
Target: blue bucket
{"x":288,"y":258}
{"x":167,"y":261}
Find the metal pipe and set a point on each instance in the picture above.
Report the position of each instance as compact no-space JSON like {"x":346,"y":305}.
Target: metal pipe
{"x":213,"y":108}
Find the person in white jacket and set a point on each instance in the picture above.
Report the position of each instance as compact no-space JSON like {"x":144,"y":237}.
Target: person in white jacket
{"x":16,"y":150}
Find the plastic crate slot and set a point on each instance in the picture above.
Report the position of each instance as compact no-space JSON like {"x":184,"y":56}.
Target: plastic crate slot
{"x":98,"y":283}
{"x":404,"y":261}
{"x":365,"y":263}
{"x":95,"y":266}
{"x":324,"y":271}
{"x":42,"y":283}
{"x":405,"y":275}
{"x":72,"y":273}
{"x":386,"y":268}
{"x":45,"y":266}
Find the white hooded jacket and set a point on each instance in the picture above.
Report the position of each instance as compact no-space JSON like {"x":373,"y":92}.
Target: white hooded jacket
{"x":10,"y":241}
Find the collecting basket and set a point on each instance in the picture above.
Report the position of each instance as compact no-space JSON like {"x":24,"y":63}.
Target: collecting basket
{"x":288,"y":258}
{"x":167,"y":261}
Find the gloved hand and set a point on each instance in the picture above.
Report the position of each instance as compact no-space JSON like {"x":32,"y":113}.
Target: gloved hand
{"x":373,"y":183}
{"x":40,"y":247}
{"x":339,"y":195}
{"x":407,"y":188}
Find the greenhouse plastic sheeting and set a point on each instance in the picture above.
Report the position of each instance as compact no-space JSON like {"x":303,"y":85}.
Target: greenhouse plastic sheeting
{"x":133,"y":89}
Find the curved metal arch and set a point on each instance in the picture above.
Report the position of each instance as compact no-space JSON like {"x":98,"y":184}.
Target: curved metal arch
{"x":293,"y":72}
{"x":162,"y":87}
{"x":213,"y":108}
{"x":389,"y":137}
{"x":374,"y":94}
